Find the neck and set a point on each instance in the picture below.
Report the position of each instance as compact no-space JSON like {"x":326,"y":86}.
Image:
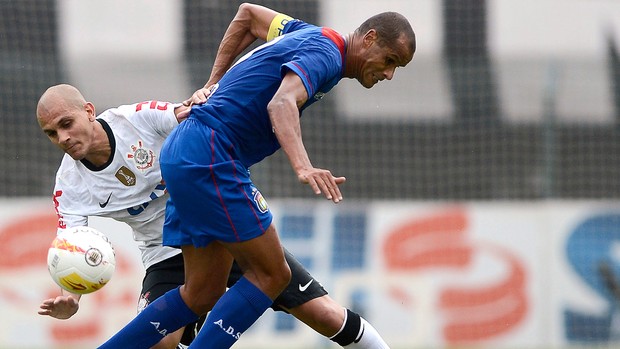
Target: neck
{"x":353,"y":63}
{"x":100,"y":149}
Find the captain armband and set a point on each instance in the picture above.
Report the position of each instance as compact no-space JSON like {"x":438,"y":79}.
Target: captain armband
{"x":277,"y":26}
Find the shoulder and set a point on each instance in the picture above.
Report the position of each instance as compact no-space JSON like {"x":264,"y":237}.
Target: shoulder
{"x":114,"y":115}
{"x":157,"y":116}
{"x":69,"y":181}
{"x":67,"y":166}
{"x":294,"y":25}
{"x":141,"y":109}
{"x":320,"y":43}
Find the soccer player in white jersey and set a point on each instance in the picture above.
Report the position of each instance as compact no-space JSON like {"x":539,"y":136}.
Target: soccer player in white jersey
{"x":110,"y":169}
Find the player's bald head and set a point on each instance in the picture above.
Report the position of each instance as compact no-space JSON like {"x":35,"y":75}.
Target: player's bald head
{"x":63,"y":94}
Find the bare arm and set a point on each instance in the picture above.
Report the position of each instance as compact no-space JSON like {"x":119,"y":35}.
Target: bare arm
{"x":284,"y":115}
{"x":250,"y":23}
{"x":182,"y":112}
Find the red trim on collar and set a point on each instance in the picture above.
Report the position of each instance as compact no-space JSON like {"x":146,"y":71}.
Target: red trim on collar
{"x":337,"y":39}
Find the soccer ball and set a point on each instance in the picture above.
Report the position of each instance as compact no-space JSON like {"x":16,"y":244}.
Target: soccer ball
{"x":81,"y":260}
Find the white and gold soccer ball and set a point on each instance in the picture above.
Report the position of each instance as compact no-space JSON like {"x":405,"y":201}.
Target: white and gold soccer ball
{"x":81,"y":260}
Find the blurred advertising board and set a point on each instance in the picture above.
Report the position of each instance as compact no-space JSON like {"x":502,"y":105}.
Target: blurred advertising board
{"x":425,"y":274}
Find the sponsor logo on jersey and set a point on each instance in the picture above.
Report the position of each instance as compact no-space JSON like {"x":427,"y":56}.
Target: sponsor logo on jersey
{"x":260,"y":201}
{"x":143,"y":157}
{"x":126,"y":176}
{"x":105,"y":203}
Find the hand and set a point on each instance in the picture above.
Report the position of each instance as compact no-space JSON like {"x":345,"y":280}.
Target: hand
{"x":199,"y":97}
{"x":61,"y":307}
{"x":322,"y":181}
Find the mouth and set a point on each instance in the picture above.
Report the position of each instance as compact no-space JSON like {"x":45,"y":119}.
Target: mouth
{"x":71,"y":148}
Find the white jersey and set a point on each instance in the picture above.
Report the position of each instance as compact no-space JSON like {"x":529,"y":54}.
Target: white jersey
{"x":129,"y":187}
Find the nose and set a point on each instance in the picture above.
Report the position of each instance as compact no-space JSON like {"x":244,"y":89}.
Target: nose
{"x":389,"y":73}
{"x":63,"y":137}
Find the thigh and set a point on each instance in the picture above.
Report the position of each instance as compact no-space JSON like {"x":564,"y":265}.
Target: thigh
{"x":262,"y":261}
{"x":206,"y":273}
{"x":161,"y":278}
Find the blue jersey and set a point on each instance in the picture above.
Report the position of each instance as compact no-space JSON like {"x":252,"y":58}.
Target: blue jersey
{"x":205,"y":159}
{"x":238,"y":108}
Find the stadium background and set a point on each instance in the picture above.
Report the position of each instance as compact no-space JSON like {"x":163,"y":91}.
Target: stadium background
{"x":502,"y":132}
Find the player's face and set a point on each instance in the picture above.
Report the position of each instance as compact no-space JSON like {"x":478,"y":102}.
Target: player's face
{"x":381,"y":62}
{"x":70,"y":128}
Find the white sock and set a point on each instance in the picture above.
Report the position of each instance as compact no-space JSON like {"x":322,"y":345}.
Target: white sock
{"x":368,"y":338}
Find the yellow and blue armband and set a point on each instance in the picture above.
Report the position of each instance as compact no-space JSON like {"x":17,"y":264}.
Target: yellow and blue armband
{"x":277,"y":26}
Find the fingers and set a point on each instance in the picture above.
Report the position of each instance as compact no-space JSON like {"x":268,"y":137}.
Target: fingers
{"x":46,"y":307}
{"x":330,"y":189}
{"x":313,"y":184}
{"x":62,"y":307}
{"x":340,"y":180}
{"x":200,"y":96}
{"x":58,"y":302}
{"x":47,"y":304}
{"x":323,"y":182}
{"x":183,"y":114}
{"x":334,"y":191}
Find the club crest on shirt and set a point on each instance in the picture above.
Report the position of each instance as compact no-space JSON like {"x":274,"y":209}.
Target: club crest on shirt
{"x":260,"y":201}
{"x":143,"y":157}
{"x":125,"y":176}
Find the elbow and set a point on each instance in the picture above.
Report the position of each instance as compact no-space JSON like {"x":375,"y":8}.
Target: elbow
{"x":247,"y":18}
{"x":244,"y":7}
{"x":244,"y":14}
{"x":279,"y":103}
{"x":277,"y":108}
{"x":245,"y":10}
{"x":273,"y":106}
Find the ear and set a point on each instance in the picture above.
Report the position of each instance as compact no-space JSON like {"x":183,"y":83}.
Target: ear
{"x":90,"y":109}
{"x":370,"y":37}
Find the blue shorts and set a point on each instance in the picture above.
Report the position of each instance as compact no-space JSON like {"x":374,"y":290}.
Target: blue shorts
{"x":211,"y":194}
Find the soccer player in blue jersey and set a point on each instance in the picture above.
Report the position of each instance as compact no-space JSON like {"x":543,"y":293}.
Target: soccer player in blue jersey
{"x":215,"y":212}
